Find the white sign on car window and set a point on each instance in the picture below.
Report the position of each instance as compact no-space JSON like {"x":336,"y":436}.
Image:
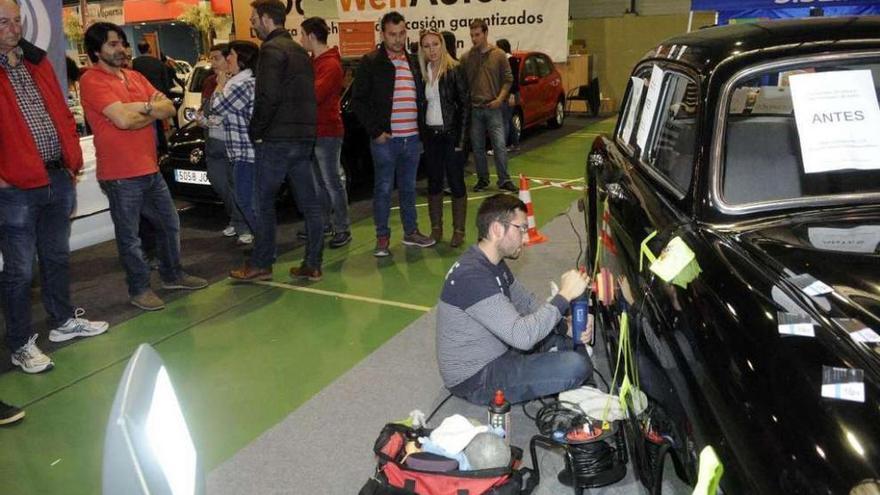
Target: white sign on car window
{"x":638,"y":85}
{"x":838,"y":120}
{"x":649,"y":107}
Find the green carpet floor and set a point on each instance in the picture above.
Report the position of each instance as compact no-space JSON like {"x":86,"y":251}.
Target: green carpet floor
{"x":243,"y":356}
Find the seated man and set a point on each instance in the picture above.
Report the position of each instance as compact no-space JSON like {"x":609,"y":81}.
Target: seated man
{"x":494,"y":334}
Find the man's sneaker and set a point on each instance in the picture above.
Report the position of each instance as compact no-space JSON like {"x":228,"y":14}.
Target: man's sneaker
{"x":301,"y":234}
{"x":306,"y":272}
{"x":187,"y":282}
{"x":245,"y":239}
{"x":229,"y":231}
{"x":340,"y":239}
{"x":148,"y":301}
{"x":481,"y":185}
{"x":382,"y":250}
{"x":9,"y":414}
{"x":249,"y":273}
{"x":490,"y":152}
{"x":415,"y":238}
{"x":508,"y":186}
{"x":30,"y":358}
{"x":78,"y":327}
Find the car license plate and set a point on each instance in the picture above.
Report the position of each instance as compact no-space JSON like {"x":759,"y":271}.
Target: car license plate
{"x":191,"y":176}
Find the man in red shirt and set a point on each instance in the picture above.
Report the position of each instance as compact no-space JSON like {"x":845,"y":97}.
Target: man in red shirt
{"x":328,"y":146}
{"x":41,"y":155}
{"x":121,"y":107}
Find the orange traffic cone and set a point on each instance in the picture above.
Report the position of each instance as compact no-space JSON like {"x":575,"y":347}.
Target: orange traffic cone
{"x":525,"y":196}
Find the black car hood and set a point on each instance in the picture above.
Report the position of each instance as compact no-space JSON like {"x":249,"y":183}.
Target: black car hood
{"x":840,"y":249}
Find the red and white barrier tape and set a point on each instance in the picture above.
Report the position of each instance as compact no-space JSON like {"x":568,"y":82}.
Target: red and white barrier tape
{"x":561,"y":185}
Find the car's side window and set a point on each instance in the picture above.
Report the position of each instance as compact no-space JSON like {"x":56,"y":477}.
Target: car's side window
{"x":530,"y":68}
{"x":671,"y":150}
{"x":543,"y":66}
{"x":629,"y":119}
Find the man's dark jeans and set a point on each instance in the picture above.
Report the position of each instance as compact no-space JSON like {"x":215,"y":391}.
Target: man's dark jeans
{"x":527,"y":376}
{"x":35,"y":222}
{"x":395,"y":158}
{"x":145,"y":196}
{"x":291,"y":161}
{"x":489,"y":120}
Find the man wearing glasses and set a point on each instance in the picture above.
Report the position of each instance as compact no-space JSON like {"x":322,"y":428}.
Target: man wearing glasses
{"x":492,"y":333}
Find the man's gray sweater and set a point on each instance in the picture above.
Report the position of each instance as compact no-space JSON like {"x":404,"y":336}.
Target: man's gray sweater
{"x":483,"y":312}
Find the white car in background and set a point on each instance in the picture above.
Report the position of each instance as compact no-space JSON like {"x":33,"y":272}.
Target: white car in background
{"x":192,"y":97}
{"x":90,"y":223}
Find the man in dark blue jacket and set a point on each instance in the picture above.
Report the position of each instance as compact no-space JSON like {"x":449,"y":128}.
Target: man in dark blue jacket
{"x":283,"y":129}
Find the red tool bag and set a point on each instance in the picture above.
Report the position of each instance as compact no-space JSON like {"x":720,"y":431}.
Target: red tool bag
{"x":394,"y":478}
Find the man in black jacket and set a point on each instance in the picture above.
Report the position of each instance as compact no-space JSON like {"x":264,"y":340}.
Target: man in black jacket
{"x":154,"y":70}
{"x":388,"y":98}
{"x":283,"y":129}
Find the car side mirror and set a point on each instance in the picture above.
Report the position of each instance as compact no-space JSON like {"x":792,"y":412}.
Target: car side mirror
{"x":530,"y":80}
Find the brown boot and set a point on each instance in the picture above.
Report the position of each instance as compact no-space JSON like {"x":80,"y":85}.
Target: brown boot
{"x":435,"y":212}
{"x":459,"y":218}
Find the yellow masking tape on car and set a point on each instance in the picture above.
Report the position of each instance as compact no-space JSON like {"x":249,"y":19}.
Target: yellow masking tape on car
{"x":710,"y":472}
{"x":677,"y":263}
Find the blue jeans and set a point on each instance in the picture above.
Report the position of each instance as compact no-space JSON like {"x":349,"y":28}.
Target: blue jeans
{"x":395,"y":157}
{"x":220,"y":174}
{"x":492,"y":121}
{"x":35,"y":222}
{"x":145,"y":196}
{"x":277,"y":162}
{"x":527,"y":376}
{"x":244,"y":173}
{"x":327,"y":154}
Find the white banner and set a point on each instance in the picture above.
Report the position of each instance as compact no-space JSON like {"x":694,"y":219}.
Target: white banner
{"x":540,"y":25}
{"x":41,"y":25}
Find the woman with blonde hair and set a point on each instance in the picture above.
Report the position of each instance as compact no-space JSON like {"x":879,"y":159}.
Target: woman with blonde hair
{"x":446,"y":131}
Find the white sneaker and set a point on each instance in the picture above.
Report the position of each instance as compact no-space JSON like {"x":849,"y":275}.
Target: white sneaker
{"x":30,"y":358}
{"x":78,"y":327}
{"x":246,"y":239}
{"x":229,"y":231}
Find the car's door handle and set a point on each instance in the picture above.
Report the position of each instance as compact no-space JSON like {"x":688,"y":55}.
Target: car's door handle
{"x":616,"y":192}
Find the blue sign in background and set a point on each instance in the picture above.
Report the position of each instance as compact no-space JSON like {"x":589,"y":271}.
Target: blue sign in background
{"x":776,"y":4}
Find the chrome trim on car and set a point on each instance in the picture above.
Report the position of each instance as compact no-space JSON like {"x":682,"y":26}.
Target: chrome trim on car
{"x":715,"y":163}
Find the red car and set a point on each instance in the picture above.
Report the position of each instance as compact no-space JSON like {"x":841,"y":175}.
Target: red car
{"x":541,"y":93}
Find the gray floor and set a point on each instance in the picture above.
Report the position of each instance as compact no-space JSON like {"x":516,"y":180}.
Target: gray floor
{"x":325,"y":446}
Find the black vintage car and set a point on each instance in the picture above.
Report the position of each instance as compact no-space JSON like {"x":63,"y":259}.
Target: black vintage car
{"x":770,"y":355}
{"x":185,"y":171}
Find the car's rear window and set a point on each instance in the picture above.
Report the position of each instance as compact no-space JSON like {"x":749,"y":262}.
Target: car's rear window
{"x":803,"y":130}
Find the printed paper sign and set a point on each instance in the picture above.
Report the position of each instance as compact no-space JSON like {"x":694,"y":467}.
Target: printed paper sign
{"x":858,"y":331}
{"x":635,"y":99}
{"x":862,"y":239}
{"x":838,"y":120}
{"x":843,"y":383}
{"x":795,"y":324}
{"x":649,"y":107}
{"x":810,"y":285}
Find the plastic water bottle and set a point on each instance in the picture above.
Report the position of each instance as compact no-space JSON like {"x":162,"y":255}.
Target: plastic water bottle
{"x":499,"y":414}
{"x":579,"y":309}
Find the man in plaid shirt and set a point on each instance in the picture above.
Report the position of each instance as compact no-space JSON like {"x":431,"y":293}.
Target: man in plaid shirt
{"x":233,"y":100}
